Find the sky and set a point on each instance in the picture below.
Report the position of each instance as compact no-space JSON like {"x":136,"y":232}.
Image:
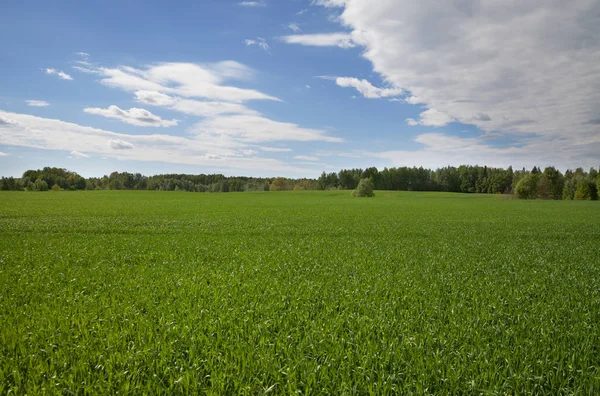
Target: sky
{"x":297,"y":87}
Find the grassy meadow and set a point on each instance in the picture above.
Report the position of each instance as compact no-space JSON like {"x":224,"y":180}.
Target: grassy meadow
{"x":105,"y":292}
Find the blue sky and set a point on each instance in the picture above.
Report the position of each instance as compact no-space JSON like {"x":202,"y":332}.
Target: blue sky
{"x":294,"y":88}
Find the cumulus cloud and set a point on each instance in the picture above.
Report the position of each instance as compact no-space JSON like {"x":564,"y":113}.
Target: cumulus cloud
{"x":366,"y":88}
{"x":253,"y":4}
{"x":522,"y":68}
{"x":133,"y":116}
{"x":37,"y":103}
{"x":79,"y":155}
{"x":342,"y":40}
{"x":5,"y":122}
{"x":260,"y":42}
{"x":61,"y":74}
{"x":431,"y":117}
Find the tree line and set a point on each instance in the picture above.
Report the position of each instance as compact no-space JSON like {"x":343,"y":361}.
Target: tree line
{"x":534,"y":184}
{"x":526,"y":184}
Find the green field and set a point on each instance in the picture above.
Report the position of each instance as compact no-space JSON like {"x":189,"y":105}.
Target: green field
{"x":297,"y":293}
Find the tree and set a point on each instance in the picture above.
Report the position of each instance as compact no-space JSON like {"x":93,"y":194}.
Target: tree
{"x":279,"y":184}
{"x":555,"y":180}
{"x":527,"y":187}
{"x":40,"y":185}
{"x":544,"y":188}
{"x":583,"y":191}
{"x":364,"y":188}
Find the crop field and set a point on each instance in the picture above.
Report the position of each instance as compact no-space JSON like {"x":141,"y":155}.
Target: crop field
{"x":108,"y":292}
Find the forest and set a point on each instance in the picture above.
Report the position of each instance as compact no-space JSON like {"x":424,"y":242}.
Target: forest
{"x":524,"y":184}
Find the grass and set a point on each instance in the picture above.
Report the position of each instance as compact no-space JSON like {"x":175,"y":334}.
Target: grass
{"x":297,"y":292}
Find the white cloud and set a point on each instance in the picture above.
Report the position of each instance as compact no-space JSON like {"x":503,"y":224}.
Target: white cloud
{"x":329,"y":3}
{"x":413,"y":100}
{"x":185,"y":79}
{"x":61,"y":74}
{"x":293,"y":26}
{"x":306,"y":158}
{"x":257,"y":129}
{"x":190,"y":106}
{"x":275,"y":149}
{"x":366,"y":88}
{"x":82,"y":54}
{"x":431,"y":117}
{"x":302,"y":11}
{"x":79,"y":155}
{"x":4,"y":122}
{"x":206,"y":146}
{"x":521,"y":68}
{"x":3,"y":154}
{"x":154,"y":98}
{"x":260,"y":42}
{"x":37,"y":103}
{"x":441,"y":150}
{"x":133,"y":116}
{"x":253,"y":4}
{"x":119,"y":144}
{"x":342,"y":40}
{"x":307,"y":86}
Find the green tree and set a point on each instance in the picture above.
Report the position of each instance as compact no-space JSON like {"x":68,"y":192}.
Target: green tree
{"x":279,"y":184}
{"x":527,"y":187}
{"x":583,"y":191}
{"x":40,"y":185}
{"x":364,"y":188}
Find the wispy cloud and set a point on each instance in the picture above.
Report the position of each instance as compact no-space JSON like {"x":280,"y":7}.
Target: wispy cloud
{"x":306,"y":158}
{"x":118,"y":144}
{"x":61,"y":74}
{"x":342,"y":40}
{"x":188,"y":80}
{"x":133,"y":116}
{"x":366,"y":88}
{"x":275,"y":149}
{"x":260,"y":42}
{"x":79,"y":155}
{"x":3,"y":154}
{"x":203,"y":147}
{"x":293,"y":26}
{"x":252,"y":4}
{"x":37,"y":103}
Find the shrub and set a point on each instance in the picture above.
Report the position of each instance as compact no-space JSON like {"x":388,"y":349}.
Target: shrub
{"x":364,"y":189}
{"x":526,"y":188}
